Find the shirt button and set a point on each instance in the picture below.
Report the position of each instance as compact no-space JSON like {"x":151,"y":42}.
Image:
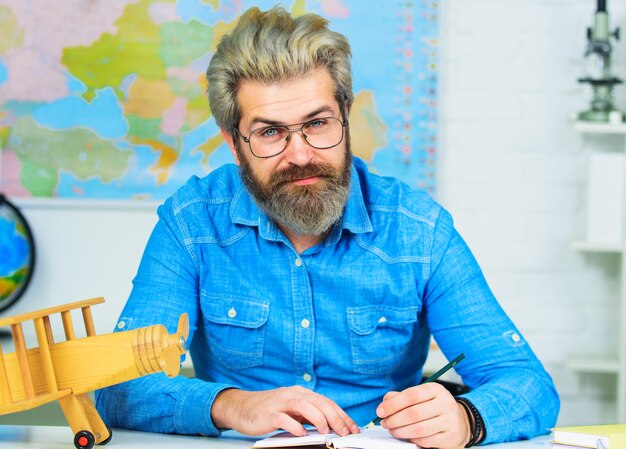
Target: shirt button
{"x":232,"y":313}
{"x":307,"y":377}
{"x":516,"y":338}
{"x":298,"y":262}
{"x":305,"y":323}
{"x":121,"y":325}
{"x":382,"y":319}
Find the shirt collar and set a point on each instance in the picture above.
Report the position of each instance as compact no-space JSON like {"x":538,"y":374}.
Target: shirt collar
{"x":355,"y":216}
{"x":244,"y":211}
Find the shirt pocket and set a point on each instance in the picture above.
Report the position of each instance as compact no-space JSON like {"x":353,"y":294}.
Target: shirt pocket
{"x":379,"y":336}
{"x":235,"y":328}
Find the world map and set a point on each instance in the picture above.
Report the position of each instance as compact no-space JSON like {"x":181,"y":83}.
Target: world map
{"x":106,"y":99}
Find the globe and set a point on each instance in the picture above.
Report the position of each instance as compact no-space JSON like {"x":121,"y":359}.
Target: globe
{"x":17,"y":253}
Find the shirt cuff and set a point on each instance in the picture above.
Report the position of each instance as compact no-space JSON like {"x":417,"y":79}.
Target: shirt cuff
{"x":193,"y":409}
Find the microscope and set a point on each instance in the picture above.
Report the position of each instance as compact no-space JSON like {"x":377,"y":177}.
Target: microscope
{"x":598,"y":62}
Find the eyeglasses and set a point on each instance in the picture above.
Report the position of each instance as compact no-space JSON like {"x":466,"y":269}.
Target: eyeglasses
{"x":320,"y":133}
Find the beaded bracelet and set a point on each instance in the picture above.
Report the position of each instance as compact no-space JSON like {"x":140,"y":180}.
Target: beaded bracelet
{"x":476,"y":421}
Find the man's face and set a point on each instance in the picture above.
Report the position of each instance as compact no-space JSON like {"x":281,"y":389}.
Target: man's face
{"x":302,"y":188}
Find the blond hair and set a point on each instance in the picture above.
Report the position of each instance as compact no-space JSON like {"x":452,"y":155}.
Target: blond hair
{"x":270,"y":47}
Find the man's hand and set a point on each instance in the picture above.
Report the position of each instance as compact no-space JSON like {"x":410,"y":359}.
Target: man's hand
{"x":260,"y":412}
{"x":426,"y":415}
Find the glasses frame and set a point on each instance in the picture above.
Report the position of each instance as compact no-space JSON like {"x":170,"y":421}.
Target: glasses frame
{"x":291,"y":130}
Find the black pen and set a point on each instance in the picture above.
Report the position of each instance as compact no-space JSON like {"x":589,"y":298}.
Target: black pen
{"x":432,"y":378}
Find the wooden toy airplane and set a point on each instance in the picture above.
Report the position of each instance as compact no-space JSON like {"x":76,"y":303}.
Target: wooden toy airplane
{"x":67,"y":370}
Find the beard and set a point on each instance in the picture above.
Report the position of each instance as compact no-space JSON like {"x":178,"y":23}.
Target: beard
{"x":306,"y":210}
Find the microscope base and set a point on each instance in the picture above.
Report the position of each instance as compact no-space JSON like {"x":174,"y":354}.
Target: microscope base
{"x":613,"y":116}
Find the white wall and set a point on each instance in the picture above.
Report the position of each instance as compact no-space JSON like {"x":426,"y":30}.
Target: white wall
{"x":512,"y":174}
{"x":84,"y":251}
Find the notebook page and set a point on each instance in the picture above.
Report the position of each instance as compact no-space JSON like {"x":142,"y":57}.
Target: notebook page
{"x":372,"y":438}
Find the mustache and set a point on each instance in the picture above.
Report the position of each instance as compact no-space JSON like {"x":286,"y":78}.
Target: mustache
{"x":296,"y":172}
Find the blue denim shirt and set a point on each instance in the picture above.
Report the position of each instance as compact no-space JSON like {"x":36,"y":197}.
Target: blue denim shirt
{"x":350,"y":318}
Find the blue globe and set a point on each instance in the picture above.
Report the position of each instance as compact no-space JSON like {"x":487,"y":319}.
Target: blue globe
{"x":17,"y":253}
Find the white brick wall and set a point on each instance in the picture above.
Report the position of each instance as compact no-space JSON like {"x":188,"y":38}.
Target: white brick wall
{"x":513,"y":174}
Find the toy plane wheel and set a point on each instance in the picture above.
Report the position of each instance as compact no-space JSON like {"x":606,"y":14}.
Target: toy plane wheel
{"x":102,"y":443}
{"x":84,"y":439}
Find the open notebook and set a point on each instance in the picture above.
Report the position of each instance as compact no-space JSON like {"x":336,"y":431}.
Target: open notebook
{"x":373,"y":438}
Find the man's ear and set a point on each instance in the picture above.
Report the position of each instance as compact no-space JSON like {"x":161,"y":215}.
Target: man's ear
{"x":347,"y":107}
{"x":231,"y":144}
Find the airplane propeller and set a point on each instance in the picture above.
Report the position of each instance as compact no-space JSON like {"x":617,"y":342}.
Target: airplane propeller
{"x":169,"y":359}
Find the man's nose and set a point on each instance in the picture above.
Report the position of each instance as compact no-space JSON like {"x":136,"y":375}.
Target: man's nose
{"x":298,"y":151}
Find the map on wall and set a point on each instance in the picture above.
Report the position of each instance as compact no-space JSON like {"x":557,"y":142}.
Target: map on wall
{"x":105,"y":99}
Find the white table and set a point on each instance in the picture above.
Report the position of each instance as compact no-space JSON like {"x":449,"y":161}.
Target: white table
{"x":48,"y":437}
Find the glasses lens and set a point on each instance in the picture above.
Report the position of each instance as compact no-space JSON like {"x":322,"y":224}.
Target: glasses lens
{"x":269,"y":140}
{"x":323,"y":133}
{"x":320,"y":133}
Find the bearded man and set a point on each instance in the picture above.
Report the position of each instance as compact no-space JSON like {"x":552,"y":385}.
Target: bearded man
{"x":312,"y":285}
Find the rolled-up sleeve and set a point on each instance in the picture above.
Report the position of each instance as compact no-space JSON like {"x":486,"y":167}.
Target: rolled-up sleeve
{"x":509,"y":386}
{"x":155,"y":403}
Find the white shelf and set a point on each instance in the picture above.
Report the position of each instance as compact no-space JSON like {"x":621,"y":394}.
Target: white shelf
{"x":600,"y":128}
{"x":604,"y":364}
{"x":597,"y":247}
{"x":593,"y":364}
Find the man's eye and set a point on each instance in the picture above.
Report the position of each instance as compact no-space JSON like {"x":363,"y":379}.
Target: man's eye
{"x":316,"y":123}
{"x":268,"y":132}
